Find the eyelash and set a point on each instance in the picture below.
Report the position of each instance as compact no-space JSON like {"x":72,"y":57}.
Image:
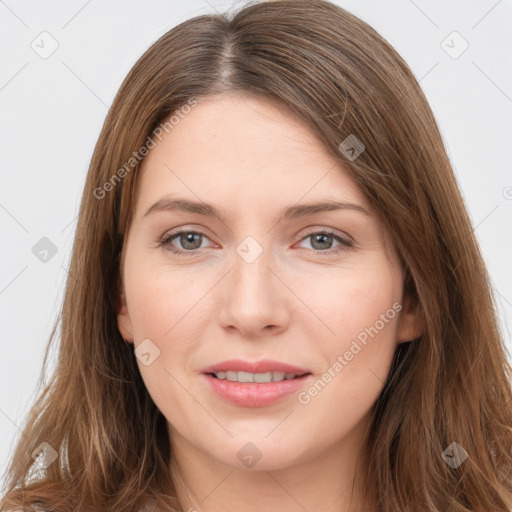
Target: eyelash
{"x":345,"y":243}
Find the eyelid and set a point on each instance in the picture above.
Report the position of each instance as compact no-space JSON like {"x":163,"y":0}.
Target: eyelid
{"x":330,"y":231}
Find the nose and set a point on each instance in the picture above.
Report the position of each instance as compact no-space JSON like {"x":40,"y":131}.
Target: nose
{"x":253,"y":300}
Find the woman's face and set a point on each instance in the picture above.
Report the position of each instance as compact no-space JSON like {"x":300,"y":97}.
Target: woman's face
{"x":313,"y":288}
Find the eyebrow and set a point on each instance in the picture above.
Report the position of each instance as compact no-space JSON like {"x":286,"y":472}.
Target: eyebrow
{"x":295,"y":211}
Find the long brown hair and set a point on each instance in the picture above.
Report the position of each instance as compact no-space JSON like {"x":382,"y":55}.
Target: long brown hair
{"x":453,"y":384}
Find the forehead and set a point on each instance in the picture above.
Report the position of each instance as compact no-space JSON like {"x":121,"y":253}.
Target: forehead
{"x":238,"y":149}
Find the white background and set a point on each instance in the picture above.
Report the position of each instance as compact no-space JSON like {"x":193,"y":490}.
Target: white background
{"x":52,"y":111}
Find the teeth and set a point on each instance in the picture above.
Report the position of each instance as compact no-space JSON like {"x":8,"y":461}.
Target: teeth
{"x":277,"y":376}
{"x":254,"y":377}
{"x":245,"y":377}
{"x":232,"y":376}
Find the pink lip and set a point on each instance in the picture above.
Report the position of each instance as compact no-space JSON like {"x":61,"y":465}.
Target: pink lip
{"x":263,"y":366}
{"x":254,"y":394}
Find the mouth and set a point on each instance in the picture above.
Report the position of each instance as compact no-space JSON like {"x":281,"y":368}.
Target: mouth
{"x":260,"y":378}
{"x":250,"y":390}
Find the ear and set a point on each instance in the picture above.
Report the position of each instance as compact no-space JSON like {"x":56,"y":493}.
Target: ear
{"x":124,"y":323}
{"x":412,"y":321}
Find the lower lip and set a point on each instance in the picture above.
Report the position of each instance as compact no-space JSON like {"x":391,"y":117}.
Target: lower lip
{"x":253,"y":394}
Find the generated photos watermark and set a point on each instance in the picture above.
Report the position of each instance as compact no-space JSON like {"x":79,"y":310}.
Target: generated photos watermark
{"x":137,"y":156}
{"x":305,"y":397}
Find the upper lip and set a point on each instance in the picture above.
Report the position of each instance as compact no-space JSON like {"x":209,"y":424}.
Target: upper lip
{"x":263,"y":366}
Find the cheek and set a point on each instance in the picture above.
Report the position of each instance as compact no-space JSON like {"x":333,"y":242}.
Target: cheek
{"x":160,"y":298}
{"x":168,"y":306}
{"x":163,"y":305}
{"x":353,"y":302}
{"x":362,"y":309}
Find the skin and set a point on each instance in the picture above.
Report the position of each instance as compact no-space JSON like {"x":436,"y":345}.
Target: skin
{"x":250,"y":159}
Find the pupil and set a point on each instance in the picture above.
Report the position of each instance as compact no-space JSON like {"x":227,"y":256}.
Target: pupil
{"x":319,"y":237}
{"x":189,"y":239}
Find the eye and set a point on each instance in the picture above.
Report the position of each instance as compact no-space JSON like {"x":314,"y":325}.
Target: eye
{"x":190,"y":241}
{"x":322,"y":240}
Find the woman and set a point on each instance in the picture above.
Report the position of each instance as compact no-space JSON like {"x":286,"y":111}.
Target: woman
{"x":275,"y":299}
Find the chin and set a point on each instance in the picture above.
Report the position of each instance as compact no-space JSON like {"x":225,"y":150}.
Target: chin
{"x":253,"y":453}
